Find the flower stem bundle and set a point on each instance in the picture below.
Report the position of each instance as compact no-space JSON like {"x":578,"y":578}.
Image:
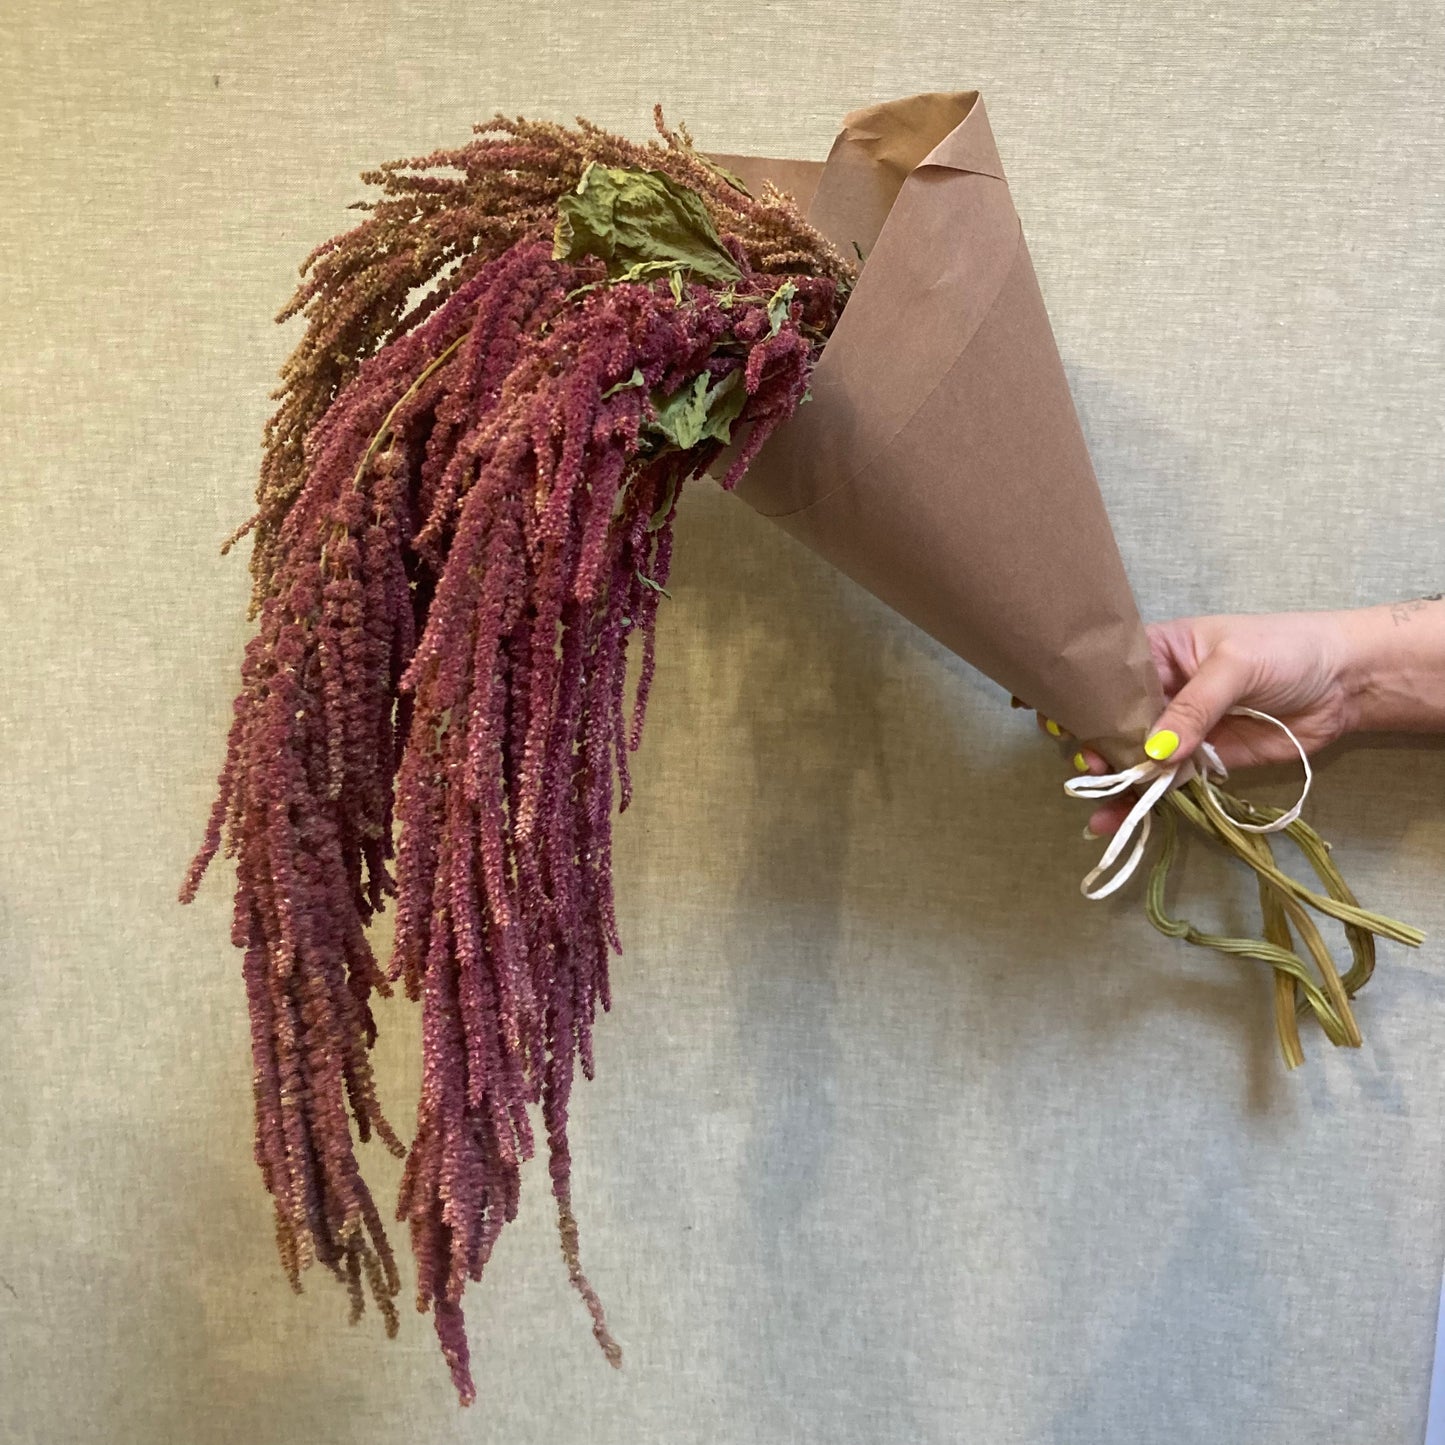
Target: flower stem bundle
{"x":1284,"y":908}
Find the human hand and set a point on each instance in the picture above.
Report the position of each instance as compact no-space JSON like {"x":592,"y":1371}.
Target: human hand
{"x":1294,"y":666}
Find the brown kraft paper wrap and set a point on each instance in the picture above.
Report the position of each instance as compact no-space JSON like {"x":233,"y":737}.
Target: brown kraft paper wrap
{"x":940,"y":462}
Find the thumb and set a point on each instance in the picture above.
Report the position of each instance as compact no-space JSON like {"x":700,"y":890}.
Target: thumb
{"x":1222,"y":679}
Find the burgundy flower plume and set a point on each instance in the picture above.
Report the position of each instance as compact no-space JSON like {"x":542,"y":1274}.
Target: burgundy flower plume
{"x":464,"y":518}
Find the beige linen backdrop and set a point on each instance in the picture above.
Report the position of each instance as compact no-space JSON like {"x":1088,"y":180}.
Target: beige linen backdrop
{"x":894,"y":1138}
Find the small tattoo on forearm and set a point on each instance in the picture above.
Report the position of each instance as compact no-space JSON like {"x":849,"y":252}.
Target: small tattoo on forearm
{"x":1403,"y":611}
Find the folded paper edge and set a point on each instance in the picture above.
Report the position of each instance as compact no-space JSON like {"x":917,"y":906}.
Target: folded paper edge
{"x":881,"y":449}
{"x":967,"y":148}
{"x":966,"y":144}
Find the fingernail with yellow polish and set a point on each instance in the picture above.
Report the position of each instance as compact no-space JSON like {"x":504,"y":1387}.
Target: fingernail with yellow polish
{"x":1161,"y":746}
{"x":1090,"y":836}
{"x":1081,"y":762}
{"x":1052,"y":728}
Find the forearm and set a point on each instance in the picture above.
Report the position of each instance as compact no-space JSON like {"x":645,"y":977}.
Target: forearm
{"x":1394,"y":666}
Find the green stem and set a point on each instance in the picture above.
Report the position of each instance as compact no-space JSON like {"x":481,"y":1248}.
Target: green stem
{"x":1287,"y":1000}
{"x":1282,"y":959}
{"x":406,"y":396}
{"x":1219,"y":805}
{"x":1284,"y":901}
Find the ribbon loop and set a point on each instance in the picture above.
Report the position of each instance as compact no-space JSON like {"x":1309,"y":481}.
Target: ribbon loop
{"x":1155,"y":779}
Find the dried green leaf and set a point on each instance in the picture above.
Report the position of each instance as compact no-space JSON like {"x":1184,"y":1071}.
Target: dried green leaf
{"x":702,"y":411}
{"x":632,"y":219}
{"x":644,"y":270}
{"x":735,"y":181}
{"x":779,"y":306}
{"x":636,"y":379}
{"x":665,"y":506}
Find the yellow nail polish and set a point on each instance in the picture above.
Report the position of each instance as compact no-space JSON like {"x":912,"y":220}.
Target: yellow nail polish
{"x":1081,"y":762}
{"x":1052,"y":728}
{"x":1090,"y":836}
{"x":1161,"y":746}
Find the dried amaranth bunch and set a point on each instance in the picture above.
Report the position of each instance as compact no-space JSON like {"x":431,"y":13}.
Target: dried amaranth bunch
{"x":464,"y":519}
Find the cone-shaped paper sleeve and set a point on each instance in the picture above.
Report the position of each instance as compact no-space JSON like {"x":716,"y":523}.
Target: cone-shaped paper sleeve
{"x":940,"y":462}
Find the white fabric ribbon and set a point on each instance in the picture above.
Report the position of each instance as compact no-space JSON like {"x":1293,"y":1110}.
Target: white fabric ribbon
{"x":1156,"y":779}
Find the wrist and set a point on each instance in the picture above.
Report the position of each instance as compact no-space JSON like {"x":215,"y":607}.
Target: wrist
{"x":1392,"y":667}
{"x":1362,"y":642}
